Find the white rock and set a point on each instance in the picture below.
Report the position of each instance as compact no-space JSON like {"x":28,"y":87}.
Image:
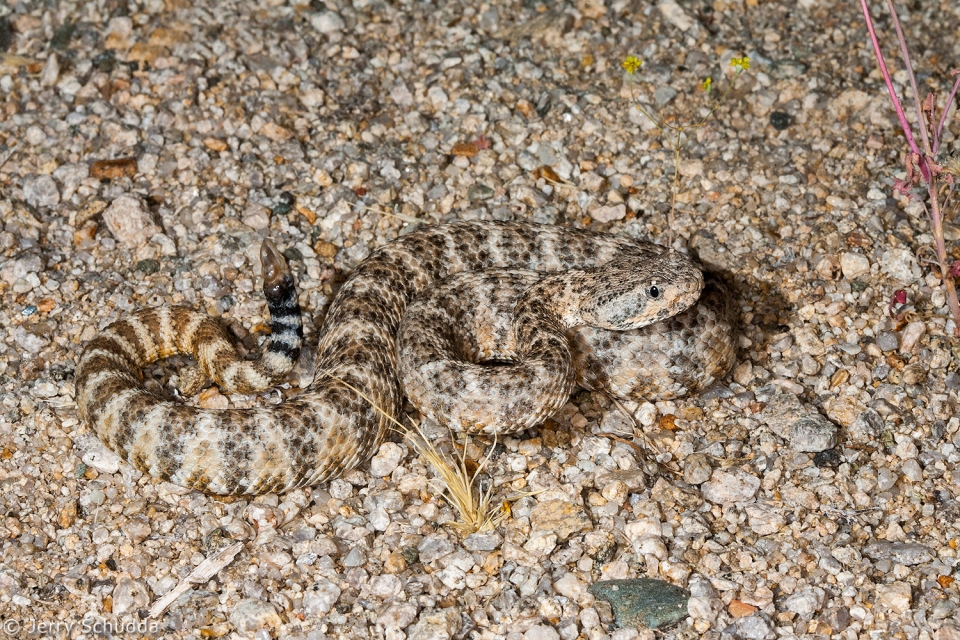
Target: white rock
{"x":438,"y":97}
{"x":643,"y":527}
{"x":14,"y":270}
{"x":51,"y":71}
{"x":320,"y":598}
{"x":129,"y":596}
{"x":386,"y":460}
{"x":401,"y":95}
{"x":763,"y":520}
{"x":102,"y":459}
{"x":35,"y":135}
{"x":675,"y":15}
{"x":895,"y":596}
{"x":853,"y":265}
{"x":327,"y":22}
{"x":436,"y":625}
{"x":312,"y":97}
{"x":129,"y":221}
{"x":541,"y":632}
{"x":912,"y":471}
{"x":251,"y":615}
{"x":647,"y":414}
{"x":380,"y":519}
{"x":29,"y":341}
{"x":40,"y":191}
{"x":743,"y":373}
{"x":570,"y":586}
{"x":398,"y":616}
{"x":453,"y":577}
{"x":541,"y":543}
{"x":901,"y":265}
{"x":256,"y":216}
{"x":806,"y":603}
{"x":609,"y":213}
{"x":725,"y":486}
{"x":911,"y":336}
{"x":652,"y":546}
{"x":385,"y":586}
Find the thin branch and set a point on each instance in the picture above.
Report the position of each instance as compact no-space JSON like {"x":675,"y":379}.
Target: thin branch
{"x":913,"y":79}
{"x":946,"y":110}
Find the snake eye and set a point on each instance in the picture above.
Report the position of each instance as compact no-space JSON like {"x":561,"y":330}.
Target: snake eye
{"x":654,"y":292}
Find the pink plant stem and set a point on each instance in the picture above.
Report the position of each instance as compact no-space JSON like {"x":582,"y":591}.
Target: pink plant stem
{"x":923,"y":159}
{"x":936,"y":224}
{"x":893,"y":93}
{"x":905,"y":54}
{"x":946,"y":110}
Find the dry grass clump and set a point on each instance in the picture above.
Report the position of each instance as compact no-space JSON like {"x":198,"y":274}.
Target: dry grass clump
{"x":457,"y":483}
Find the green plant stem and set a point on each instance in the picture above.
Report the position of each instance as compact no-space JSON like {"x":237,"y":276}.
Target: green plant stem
{"x":679,"y":144}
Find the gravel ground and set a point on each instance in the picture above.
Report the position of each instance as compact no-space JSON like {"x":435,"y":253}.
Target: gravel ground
{"x":816,"y":491}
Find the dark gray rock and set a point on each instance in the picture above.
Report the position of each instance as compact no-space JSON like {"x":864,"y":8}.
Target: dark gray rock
{"x":643,"y":601}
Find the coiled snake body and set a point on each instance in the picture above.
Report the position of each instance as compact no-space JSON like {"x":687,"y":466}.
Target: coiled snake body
{"x":644,"y":340}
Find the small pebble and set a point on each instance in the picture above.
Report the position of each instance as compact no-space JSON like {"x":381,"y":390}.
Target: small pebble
{"x":129,"y":596}
{"x":725,"y":487}
{"x":813,"y":433}
{"x":129,"y":221}
{"x":696,"y":469}
{"x":888,"y":341}
{"x":327,"y":22}
{"x":41,"y":191}
{"x":905,"y":553}
{"x":436,"y":625}
{"x":901,"y":265}
{"x":320,"y":597}
{"x":912,"y":335}
{"x":780,"y":120}
{"x":387,"y":459}
{"x":896,"y":596}
{"x":251,"y":615}
{"x":806,"y":603}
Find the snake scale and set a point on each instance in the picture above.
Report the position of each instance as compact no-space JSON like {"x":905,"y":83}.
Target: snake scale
{"x":485,"y":325}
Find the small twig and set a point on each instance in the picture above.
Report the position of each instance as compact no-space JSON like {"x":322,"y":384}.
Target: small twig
{"x":6,"y":156}
{"x":203,"y":572}
{"x":946,"y":110}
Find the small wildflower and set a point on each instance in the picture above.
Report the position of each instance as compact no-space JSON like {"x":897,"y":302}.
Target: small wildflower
{"x":632,"y":64}
{"x":955,"y":269}
{"x":706,"y":85}
{"x":741,"y":63}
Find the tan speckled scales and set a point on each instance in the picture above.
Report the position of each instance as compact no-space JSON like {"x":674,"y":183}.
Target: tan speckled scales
{"x":328,"y":428}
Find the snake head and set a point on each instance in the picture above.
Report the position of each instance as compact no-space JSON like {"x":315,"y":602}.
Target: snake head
{"x":628,"y":293}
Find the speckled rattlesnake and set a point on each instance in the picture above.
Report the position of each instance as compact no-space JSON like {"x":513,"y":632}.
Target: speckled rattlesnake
{"x":612,"y":282}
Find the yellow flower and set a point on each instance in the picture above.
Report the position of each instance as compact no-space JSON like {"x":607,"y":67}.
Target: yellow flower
{"x":706,"y":85}
{"x":632,"y":64}
{"x":741,"y":63}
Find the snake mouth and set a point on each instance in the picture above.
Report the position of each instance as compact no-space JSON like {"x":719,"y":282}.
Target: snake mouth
{"x":497,"y":362}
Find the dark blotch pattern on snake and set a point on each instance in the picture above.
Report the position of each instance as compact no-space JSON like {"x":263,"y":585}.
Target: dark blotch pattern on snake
{"x":330,"y":428}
